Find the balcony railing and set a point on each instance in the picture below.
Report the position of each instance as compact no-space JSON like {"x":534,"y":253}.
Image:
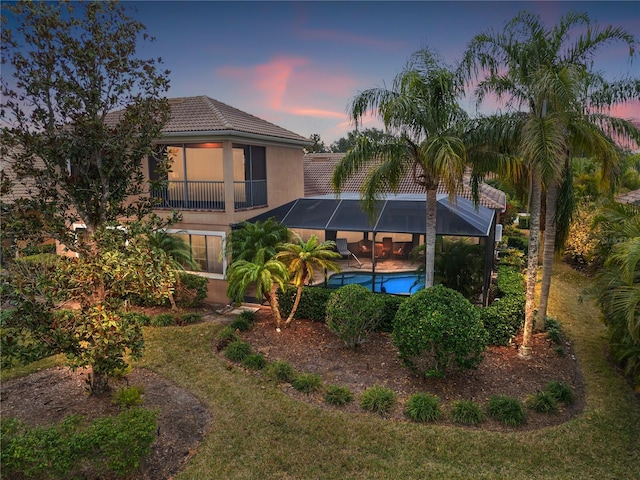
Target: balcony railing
{"x":191,"y":195}
{"x":250,"y":194}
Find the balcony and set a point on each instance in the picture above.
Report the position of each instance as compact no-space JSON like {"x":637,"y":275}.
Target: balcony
{"x":209,"y":195}
{"x":249,"y":194}
{"x":191,"y":195}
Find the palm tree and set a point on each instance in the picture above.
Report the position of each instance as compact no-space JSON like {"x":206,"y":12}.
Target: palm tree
{"x":244,"y":242}
{"x":421,"y":113}
{"x":302,"y":258}
{"x":543,"y":71}
{"x":263,"y":272}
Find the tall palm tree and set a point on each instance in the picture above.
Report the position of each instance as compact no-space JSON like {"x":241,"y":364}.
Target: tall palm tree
{"x":423,"y":117}
{"x":545,"y":72}
{"x":263,"y":272}
{"x":302,"y":258}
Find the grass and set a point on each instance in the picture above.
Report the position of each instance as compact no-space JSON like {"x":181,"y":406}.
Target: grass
{"x":262,"y":432}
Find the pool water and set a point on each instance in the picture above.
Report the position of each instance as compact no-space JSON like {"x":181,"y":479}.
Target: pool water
{"x":399,"y":283}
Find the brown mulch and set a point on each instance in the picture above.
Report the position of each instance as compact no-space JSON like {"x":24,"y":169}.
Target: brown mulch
{"x":311,"y":347}
{"x":47,"y":396}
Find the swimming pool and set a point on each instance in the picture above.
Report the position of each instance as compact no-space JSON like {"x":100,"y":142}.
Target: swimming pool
{"x":399,"y":283}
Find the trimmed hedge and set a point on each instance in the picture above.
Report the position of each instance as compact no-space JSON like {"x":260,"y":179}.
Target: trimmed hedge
{"x":505,"y":316}
{"x":312,"y":302}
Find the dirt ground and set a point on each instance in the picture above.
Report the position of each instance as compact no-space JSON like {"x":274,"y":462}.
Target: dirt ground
{"x":49,"y":395}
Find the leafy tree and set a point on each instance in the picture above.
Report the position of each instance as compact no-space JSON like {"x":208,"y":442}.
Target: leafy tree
{"x":551,"y":77}
{"x":318,"y":145}
{"x":302,"y":258}
{"x":422,"y":114}
{"x":264,"y":273}
{"x":344,"y":144}
{"x":82,"y":112}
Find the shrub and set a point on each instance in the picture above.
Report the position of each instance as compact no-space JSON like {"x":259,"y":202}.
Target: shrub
{"x":512,"y":257}
{"x":225,"y":336}
{"x":560,"y":391}
{"x":423,"y":407}
{"x":466,"y":412}
{"x":503,"y":319}
{"x":138,"y":318}
{"x":163,"y":320}
{"x":254,"y":361}
{"x":542,"y":402}
{"x":313,"y":302}
{"x":241,"y":323}
{"x":189,"y":318}
{"x":237,"y":351}
{"x":378,"y":399}
{"x":437,"y":330}
{"x":338,"y":395}
{"x":554,"y":330}
{"x":508,"y":410}
{"x":307,"y":382}
{"x":523,"y":222}
{"x":280,"y":371}
{"x":127,"y":397}
{"x":353,"y":312}
{"x":390,"y":305}
{"x":521,"y":243}
{"x":191,"y":290}
{"x":509,"y":281}
{"x":110,"y":445}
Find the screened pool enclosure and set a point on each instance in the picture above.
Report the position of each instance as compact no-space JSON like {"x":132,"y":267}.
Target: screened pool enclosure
{"x":397,"y":226}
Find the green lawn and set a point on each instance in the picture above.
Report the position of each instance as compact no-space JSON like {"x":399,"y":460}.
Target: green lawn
{"x":259,"y":432}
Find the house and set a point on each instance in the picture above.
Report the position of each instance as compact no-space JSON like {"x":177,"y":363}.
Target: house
{"x":227,"y":166}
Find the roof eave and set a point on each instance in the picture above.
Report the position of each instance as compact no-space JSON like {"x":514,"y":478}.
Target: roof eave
{"x":236,"y":134}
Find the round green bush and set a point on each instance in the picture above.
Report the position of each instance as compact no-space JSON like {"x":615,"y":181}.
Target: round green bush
{"x":437,"y":330}
{"x":307,"y":382}
{"x":508,"y":410}
{"x":423,"y":407}
{"x":254,"y":361}
{"x":338,"y":395}
{"x":280,"y":371}
{"x":378,"y":399}
{"x":163,"y":320}
{"x":237,"y":351}
{"x":466,"y":412}
{"x":353,"y":312}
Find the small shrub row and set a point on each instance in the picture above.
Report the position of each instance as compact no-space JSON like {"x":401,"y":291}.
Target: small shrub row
{"x":505,"y":316}
{"x":546,"y":401}
{"x":110,"y":445}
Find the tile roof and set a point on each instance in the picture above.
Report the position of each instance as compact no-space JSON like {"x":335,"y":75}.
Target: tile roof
{"x":205,"y":114}
{"x":318,"y":170}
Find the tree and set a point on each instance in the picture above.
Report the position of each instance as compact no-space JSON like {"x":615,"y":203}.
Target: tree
{"x":263,"y":273}
{"x":422,"y":116}
{"x":344,"y":144}
{"x":543,"y":71}
{"x":302,"y":258}
{"x":82,"y":112}
{"x":248,"y":239}
{"x":318,"y":145}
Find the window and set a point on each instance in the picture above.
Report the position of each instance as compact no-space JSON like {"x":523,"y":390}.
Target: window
{"x":206,"y":248}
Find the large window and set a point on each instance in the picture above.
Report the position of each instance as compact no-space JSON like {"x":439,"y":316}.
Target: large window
{"x":250,"y":176}
{"x":206,"y":248}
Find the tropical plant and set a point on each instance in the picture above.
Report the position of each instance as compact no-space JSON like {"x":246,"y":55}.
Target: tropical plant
{"x":266,"y":275}
{"x":459,"y":266}
{"x":422,"y":117}
{"x":176,"y":248}
{"x":551,"y":76}
{"x":302,"y":259}
{"x":245,"y":241}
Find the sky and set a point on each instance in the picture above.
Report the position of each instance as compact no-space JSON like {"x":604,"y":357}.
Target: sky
{"x":299,"y":64}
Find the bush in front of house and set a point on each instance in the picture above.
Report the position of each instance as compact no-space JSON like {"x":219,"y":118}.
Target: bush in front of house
{"x":437,"y":331}
{"x":466,"y":412}
{"x":338,"y":395}
{"x":423,"y":407}
{"x":505,"y":316}
{"x":390,"y":305}
{"x":353,"y":312}
{"x":163,"y":320}
{"x":508,"y":410}
{"x":313,"y":302}
{"x":191,"y":290}
{"x":378,"y":399}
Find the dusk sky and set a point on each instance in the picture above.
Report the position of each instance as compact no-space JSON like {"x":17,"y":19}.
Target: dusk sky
{"x":298,"y":64}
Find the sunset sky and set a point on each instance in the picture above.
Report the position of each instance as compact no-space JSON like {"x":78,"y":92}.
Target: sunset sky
{"x":298,"y":64}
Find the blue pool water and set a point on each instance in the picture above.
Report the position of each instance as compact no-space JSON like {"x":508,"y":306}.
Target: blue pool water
{"x":399,"y":283}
